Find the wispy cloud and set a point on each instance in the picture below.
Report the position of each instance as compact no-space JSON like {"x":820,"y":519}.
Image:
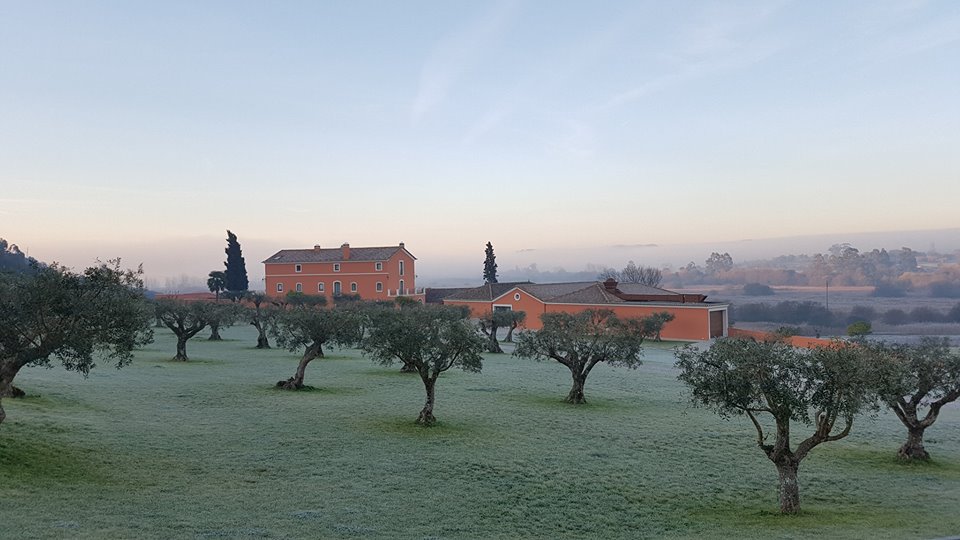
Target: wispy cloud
{"x":454,"y":55}
{"x":718,"y":41}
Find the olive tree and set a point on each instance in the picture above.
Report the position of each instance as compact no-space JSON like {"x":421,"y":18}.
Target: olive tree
{"x":261,"y":314}
{"x":55,"y":313}
{"x":431,"y":339}
{"x":222,"y":315}
{"x":185,"y":319}
{"x":490,"y":324}
{"x":311,"y":326}
{"x":776,"y":385}
{"x":915,"y":378}
{"x":581,"y":341}
{"x":514,"y":320}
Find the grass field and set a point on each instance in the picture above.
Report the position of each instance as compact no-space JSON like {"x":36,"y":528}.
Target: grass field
{"x":209,"y":449}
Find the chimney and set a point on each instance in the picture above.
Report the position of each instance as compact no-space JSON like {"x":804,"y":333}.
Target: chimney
{"x":346,"y":251}
{"x":610,"y":285}
{"x":401,"y":245}
{"x":316,"y":247}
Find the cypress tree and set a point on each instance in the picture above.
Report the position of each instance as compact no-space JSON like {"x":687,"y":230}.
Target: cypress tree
{"x":490,"y":266}
{"x":236,"y":268}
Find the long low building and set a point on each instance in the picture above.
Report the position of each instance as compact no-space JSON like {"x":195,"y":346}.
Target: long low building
{"x":695,"y":319}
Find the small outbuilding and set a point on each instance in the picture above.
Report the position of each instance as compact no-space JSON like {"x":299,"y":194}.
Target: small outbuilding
{"x":695,"y":319}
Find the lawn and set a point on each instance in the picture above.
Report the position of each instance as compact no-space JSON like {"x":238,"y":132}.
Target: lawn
{"x":210,"y":449}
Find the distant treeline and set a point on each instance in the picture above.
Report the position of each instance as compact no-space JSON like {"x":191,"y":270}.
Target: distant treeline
{"x":892,"y":272}
{"x":815,"y":314}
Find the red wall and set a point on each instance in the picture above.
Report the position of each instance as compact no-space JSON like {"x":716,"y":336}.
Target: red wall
{"x":691,"y":322}
{"x":363,"y":273}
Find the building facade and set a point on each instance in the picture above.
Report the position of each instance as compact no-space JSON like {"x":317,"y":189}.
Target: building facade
{"x":373,"y":273}
{"x":695,"y":319}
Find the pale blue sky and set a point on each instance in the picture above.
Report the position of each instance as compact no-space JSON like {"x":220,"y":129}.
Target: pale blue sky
{"x":447,"y":124}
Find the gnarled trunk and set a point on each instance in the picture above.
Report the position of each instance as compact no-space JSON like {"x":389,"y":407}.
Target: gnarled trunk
{"x":8,"y":370}
{"x":214,"y":333}
{"x":576,"y":393}
{"x":181,"y":349}
{"x":510,"y":329}
{"x":493,"y":346}
{"x":408,"y":368}
{"x":296,"y":382}
{"x":426,"y":417}
{"x":789,"y":489}
{"x":913,"y":448}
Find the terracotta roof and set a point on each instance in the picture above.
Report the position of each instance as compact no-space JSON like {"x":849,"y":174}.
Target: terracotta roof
{"x":334,"y":254}
{"x":580,"y":292}
{"x":433,"y":295}
{"x":637,"y":288}
{"x":485,"y":292}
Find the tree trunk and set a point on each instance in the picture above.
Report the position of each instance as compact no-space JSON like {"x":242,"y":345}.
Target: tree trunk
{"x":576,"y":393}
{"x":789,"y":491}
{"x":408,"y":368}
{"x":426,"y":417}
{"x":262,"y":341}
{"x":8,"y":371}
{"x":181,"y":349}
{"x":510,"y":329}
{"x":296,"y":382}
{"x":215,"y":333}
{"x":493,"y":346}
{"x":913,"y":448}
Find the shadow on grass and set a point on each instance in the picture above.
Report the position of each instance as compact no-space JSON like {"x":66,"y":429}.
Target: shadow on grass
{"x":886,"y":458}
{"x":813,"y":516}
{"x":407,"y":426}
{"x":29,"y":454}
{"x":313,"y":390}
{"x":556,"y":402}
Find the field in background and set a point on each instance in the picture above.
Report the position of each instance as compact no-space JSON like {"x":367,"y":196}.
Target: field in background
{"x":842,"y":299}
{"x":209,"y":449}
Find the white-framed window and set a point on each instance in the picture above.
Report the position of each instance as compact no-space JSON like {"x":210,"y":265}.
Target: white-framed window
{"x":502,"y":307}
{"x":353,"y":286}
{"x":401,"y":269}
{"x":336,"y":267}
{"x":400,"y":290}
{"x":379,"y":266}
{"x":279,"y":287}
{"x":516,"y":296}
{"x":336,"y":288}
{"x":379,"y":285}
{"x":297,"y":268}
{"x":320,"y":287}
{"x":299,"y":287}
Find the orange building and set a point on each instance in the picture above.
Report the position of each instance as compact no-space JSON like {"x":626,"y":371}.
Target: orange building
{"x":695,"y":319}
{"x":374,"y":273}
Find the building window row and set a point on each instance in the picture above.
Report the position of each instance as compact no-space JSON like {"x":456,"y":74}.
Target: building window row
{"x":336,"y":287}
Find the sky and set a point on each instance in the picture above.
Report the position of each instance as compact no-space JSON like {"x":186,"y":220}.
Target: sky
{"x":146,"y":129}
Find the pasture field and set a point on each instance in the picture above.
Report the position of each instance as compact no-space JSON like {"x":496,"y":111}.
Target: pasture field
{"x":210,"y":449}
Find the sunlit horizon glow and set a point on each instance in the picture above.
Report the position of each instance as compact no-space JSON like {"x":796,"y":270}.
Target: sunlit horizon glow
{"x":534,"y":125}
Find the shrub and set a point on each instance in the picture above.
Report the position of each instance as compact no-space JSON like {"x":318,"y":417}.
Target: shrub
{"x":757,"y":289}
{"x":925,"y":314}
{"x":945,"y":289}
{"x":895,"y":317}
{"x":889,"y":289}
{"x":954,"y":314}
{"x":861,"y":313}
{"x":859,"y":328}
